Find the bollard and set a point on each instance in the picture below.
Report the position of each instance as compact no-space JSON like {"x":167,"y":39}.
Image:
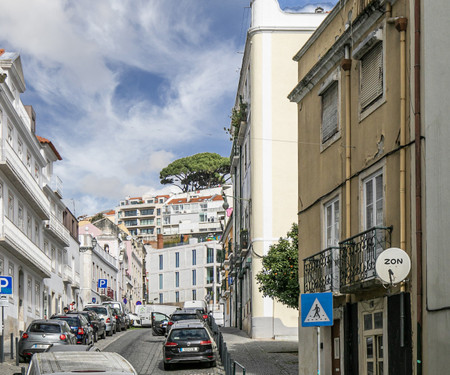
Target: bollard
{"x":22,"y":369}
{"x":17,"y":351}
{"x":12,"y":345}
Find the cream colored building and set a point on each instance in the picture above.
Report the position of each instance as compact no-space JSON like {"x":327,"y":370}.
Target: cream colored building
{"x":264,"y":160}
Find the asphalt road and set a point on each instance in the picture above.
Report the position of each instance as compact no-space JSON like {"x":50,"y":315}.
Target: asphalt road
{"x":144,"y":352}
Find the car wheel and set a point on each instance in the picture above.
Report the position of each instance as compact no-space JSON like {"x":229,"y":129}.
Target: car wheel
{"x":110,"y":332}
{"x":21,"y":359}
{"x":103,"y":336}
{"x":213,"y":364}
{"x":95,"y":336}
{"x":167,"y":366}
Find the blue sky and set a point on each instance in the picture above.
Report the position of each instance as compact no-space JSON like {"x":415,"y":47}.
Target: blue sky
{"x":123,"y":88}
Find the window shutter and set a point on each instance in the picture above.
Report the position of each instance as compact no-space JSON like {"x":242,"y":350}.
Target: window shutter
{"x":372,"y":75}
{"x":330,"y":112}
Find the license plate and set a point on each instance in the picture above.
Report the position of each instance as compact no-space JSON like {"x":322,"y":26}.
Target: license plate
{"x":39,"y":346}
{"x":188,"y":349}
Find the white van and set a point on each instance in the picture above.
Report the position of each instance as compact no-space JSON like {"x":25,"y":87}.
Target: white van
{"x":144,"y":312}
{"x":196,"y":304}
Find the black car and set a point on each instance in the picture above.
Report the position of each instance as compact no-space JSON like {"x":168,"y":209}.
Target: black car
{"x":185,"y":314}
{"x":189,"y":341}
{"x":121,"y":323}
{"x":97,"y":323}
{"x":79,"y":325}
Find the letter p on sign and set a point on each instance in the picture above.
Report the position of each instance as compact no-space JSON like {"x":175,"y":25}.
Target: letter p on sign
{"x":5,"y":284}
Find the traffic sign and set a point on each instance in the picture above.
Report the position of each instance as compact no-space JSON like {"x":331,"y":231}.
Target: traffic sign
{"x":6,"y":285}
{"x":125,"y":301}
{"x":94,"y":299}
{"x":102,"y":283}
{"x":4,"y":301}
{"x":317,"y":309}
{"x":138,"y":303}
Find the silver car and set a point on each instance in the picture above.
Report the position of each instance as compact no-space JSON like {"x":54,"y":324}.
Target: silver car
{"x":107,"y":315}
{"x":81,"y":363}
{"x":41,"y":334}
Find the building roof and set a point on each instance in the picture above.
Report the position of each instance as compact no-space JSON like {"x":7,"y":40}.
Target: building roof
{"x":44,"y":141}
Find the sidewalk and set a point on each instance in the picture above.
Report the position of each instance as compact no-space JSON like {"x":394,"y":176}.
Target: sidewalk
{"x":261,"y":357}
{"x":9,"y":366}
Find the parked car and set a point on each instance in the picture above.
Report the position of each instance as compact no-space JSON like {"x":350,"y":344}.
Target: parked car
{"x":72,"y":348}
{"x":189,"y":341}
{"x":97,"y":323}
{"x":81,"y":363}
{"x":121,"y":307}
{"x":41,"y":334}
{"x":135,"y":321}
{"x":106,"y":313}
{"x":185,"y":314}
{"x":79,"y":326}
{"x":121,"y":323}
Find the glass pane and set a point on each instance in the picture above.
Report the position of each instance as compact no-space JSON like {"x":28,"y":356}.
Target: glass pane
{"x":380,"y":368}
{"x":369,"y":368}
{"x":367,"y":322}
{"x":369,"y":347}
{"x":380,"y":346}
{"x":378,"y":319}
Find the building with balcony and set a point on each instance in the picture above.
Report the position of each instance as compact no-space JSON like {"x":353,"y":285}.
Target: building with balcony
{"x":264,"y":159}
{"x":356,"y":186}
{"x":142,"y":216}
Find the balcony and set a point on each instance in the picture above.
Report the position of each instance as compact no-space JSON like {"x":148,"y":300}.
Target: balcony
{"x":67,"y":274}
{"x":321,"y":271}
{"x":18,"y":244}
{"x":23,"y":181}
{"x":57,"y":230}
{"x":76,"y":280}
{"x":358,"y":255}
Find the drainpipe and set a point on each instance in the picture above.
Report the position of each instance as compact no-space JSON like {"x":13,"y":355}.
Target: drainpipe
{"x":346,"y":65}
{"x":418,"y":177}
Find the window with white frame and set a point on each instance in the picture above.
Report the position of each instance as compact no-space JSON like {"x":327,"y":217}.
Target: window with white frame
{"x":372,"y":76}
{"x":160,"y":281}
{"x":330,"y":111}
{"x":11,"y":207}
{"x":10,"y":134}
{"x":20,"y":220}
{"x":29,"y":292}
{"x":161,"y":262}
{"x":331,"y":221}
{"x":373,"y":201}
{"x":37,"y":293}
{"x":177,"y":279}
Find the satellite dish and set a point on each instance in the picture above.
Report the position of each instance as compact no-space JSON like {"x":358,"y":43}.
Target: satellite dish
{"x":393,"y":265}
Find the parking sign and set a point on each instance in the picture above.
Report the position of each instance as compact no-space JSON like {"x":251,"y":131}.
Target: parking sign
{"x":102,"y":283}
{"x":5,"y":284}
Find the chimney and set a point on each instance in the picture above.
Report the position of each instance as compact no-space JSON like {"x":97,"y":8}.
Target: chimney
{"x":160,"y":241}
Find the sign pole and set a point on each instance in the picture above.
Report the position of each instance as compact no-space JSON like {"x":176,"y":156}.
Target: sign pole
{"x":2,"y":343}
{"x":318,"y":350}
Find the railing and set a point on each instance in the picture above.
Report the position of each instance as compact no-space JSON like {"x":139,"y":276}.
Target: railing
{"x":358,"y":255}
{"x":57,"y":185}
{"x":321,"y":271}
{"x":58,"y":229}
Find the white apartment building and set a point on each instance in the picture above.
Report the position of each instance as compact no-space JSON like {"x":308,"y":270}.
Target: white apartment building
{"x":33,"y":239}
{"x":142,"y":216}
{"x":186,"y":272}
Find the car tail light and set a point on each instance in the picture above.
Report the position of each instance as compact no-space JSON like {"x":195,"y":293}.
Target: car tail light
{"x":205,"y":316}
{"x":170,"y":324}
{"x":24,"y":335}
{"x":117,"y":316}
{"x":169,"y":343}
{"x":205,"y":342}
{"x":108,"y":320}
{"x":62,"y":337}
{"x":80,"y":331}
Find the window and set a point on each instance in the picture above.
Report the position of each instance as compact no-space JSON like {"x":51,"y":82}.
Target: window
{"x":373,"y":201}
{"x":53,"y":259}
{"x":11,"y":207}
{"x":147,"y":212}
{"x":37,"y":293}
{"x":161,"y":262}
{"x":194,"y":277}
{"x":36,"y":171}
{"x":20,"y":222}
{"x":20,"y":149}
{"x":330,"y":112}
{"x":147,"y":231}
{"x":372,"y":76}
{"x":29,"y":292}
{"x":129,"y":223}
{"x":29,"y":226}
{"x":194,"y":257}
{"x":372,"y":342}
{"x":203,"y":217}
{"x":209,"y":255}
{"x":194,"y":294}
{"x":147,"y":222}
{"x":161,"y":298}
{"x":131,"y":213}
{"x":177,"y":296}
{"x":177,"y":259}
{"x":332,"y":217}
{"x":160,"y":281}
{"x":209,"y":275}
{"x":10,"y":134}
{"x":177,"y":279}
{"x":28,"y":160}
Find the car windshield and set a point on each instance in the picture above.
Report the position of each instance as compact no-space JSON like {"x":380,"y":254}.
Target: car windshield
{"x":98,"y":310}
{"x":188,"y":334}
{"x":73,"y":322}
{"x":177,"y":317}
{"x":45,"y":328}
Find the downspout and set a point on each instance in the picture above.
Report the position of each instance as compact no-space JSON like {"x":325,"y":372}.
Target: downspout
{"x":418,"y":177}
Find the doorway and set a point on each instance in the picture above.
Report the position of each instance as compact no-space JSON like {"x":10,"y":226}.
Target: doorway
{"x":336,"y":347}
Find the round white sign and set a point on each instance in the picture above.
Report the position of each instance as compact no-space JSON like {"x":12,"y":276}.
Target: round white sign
{"x":393,"y":265}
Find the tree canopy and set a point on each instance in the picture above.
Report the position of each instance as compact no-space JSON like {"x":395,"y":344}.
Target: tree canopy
{"x":279,"y":276}
{"x":199,"y":171}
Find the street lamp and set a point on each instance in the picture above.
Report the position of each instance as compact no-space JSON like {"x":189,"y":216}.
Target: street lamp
{"x":86,"y":248}
{"x":226,"y":205}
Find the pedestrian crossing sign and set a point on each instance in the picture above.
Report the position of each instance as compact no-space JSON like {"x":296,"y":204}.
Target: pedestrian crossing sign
{"x":317,"y":309}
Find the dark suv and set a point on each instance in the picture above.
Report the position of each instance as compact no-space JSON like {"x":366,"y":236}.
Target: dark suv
{"x":79,"y":326}
{"x":184,"y":314}
{"x":97,"y":323}
{"x":189,"y":341}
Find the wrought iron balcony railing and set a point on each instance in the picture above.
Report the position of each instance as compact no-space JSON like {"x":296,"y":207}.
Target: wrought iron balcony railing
{"x":358,"y":255}
{"x":321,"y":271}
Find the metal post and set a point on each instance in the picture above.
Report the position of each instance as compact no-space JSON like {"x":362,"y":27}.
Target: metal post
{"x":17,"y":351}
{"x":12,"y":345}
{"x":2,"y":340}
{"x":318,"y":350}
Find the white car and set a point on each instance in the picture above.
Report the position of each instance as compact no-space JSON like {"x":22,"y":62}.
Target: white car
{"x":135,"y":321}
